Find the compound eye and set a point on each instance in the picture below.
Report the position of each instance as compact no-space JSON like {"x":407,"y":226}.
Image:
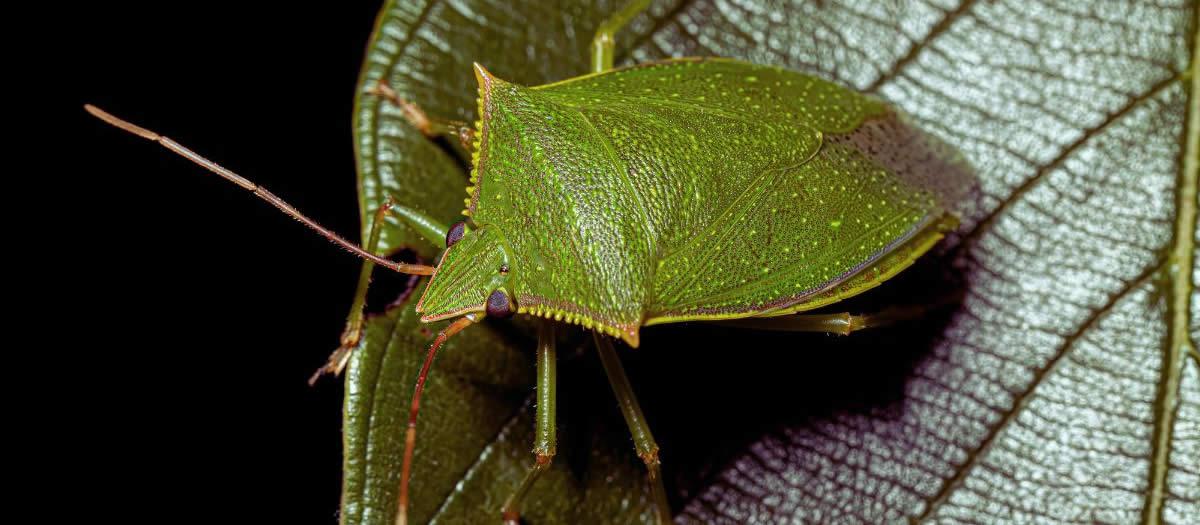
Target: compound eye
{"x":500,"y":305}
{"x":455,"y":233}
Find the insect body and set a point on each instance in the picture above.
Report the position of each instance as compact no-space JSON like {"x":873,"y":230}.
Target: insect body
{"x":692,"y":189}
{"x":683,"y":190}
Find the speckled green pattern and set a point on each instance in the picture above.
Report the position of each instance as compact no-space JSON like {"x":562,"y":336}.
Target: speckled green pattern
{"x":469,"y":271}
{"x":753,"y":91}
{"x":687,"y":188}
{"x":792,"y":233}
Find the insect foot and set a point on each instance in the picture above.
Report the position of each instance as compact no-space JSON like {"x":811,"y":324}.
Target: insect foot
{"x":430,"y":127}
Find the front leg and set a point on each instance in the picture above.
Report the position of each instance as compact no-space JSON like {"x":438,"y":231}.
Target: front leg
{"x":429,"y":228}
{"x":545,"y":432}
{"x":428,"y":126}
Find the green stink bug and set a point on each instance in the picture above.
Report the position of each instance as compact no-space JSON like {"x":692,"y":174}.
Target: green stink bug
{"x":694,"y":189}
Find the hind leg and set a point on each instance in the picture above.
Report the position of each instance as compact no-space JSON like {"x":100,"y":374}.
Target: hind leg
{"x":843,"y":323}
{"x":643,"y":440}
{"x":604,"y":41}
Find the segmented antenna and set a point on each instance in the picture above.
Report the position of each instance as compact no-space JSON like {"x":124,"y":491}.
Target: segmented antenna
{"x":261,"y":192}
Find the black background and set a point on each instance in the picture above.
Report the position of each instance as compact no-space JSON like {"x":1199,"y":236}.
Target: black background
{"x":196,"y":313}
{"x":181,"y":336}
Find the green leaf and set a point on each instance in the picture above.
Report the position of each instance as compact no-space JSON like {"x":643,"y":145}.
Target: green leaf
{"x":1065,"y":387}
{"x":474,"y":434}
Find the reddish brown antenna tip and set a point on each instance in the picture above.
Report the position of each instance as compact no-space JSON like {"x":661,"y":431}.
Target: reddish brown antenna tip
{"x":116,"y":122}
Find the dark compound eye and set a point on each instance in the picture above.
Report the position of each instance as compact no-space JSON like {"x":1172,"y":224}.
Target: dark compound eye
{"x":455,"y":233}
{"x":500,"y":305}
{"x":503,"y":269}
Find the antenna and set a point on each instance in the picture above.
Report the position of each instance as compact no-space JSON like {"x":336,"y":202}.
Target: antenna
{"x":261,"y":192}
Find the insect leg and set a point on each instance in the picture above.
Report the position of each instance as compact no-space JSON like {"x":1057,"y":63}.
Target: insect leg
{"x":643,"y":440}
{"x":603,"y":42}
{"x":429,"y":228}
{"x":352,"y":334}
{"x":430,"y":127}
{"x":844,"y":323}
{"x":545,"y":438}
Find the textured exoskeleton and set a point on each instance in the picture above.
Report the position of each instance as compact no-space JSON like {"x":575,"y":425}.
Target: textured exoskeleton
{"x":690,"y":189}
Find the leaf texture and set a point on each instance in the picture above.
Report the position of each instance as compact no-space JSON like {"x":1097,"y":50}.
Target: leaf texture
{"x":474,"y":433}
{"x":1043,"y":398}
{"x":1064,"y":389}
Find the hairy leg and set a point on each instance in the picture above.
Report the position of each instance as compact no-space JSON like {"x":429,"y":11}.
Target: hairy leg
{"x":545,"y":431}
{"x":428,"y":126}
{"x":351,"y":337}
{"x":643,"y":440}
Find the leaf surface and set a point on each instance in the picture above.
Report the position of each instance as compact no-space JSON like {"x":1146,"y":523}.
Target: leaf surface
{"x":475,"y":432}
{"x":1064,"y":388}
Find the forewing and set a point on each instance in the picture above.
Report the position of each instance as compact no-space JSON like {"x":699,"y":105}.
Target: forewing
{"x":764,"y":186}
{"x":794,"y":233}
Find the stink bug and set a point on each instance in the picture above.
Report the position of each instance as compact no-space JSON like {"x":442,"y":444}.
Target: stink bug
{"x":692,"y":189}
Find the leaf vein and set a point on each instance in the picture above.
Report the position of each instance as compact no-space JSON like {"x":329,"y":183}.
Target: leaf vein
{"x":1019,"y":401}
{"x":377,"y":386}
{"x":937,"y":29}
{"x":483,"y":455}
{"x":1178,"y":342}
{"x":987,"y":221}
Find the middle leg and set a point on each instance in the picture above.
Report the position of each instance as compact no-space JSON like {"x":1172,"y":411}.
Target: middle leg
{"x":545,"y":433}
